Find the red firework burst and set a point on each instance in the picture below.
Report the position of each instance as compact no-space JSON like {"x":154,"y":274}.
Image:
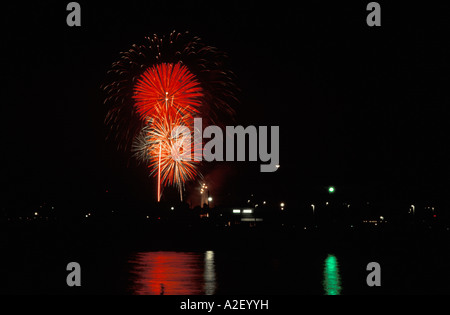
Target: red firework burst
{"x":169,"y":88}
{"x":166,"y":96}
{"x":163,"y":82}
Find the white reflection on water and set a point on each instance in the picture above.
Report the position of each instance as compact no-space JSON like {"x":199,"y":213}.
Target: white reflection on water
{"x":173,"y":273}
{"x":209,"y":274}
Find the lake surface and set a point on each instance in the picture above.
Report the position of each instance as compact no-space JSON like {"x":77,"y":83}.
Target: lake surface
{"x":216,"y":273}
{"x":173,"y":273}
{"x":242,"y":264}
{"x":210,"y":273}
{"x":220,"y":272}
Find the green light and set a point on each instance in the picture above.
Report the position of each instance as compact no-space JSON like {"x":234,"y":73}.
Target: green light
{"x":331,"y":190}
{"x":331,"y":278}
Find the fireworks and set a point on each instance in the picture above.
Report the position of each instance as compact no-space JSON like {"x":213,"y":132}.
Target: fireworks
{"x":158,"y":86}
{"x":167,"y":89}
{"x":167,"y":149}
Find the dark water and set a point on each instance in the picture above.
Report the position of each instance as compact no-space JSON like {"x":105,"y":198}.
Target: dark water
{"x":173,"y":273}
{"x":210,"y":272}
{"x":194,"y":273}
{"x":218,"y":272}
{"x":241,"y":265}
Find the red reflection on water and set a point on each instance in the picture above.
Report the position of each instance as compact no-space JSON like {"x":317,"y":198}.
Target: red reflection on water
{"x":168,"y":273}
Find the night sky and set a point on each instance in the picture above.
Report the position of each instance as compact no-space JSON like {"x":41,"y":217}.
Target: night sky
{"x":364,"y":109}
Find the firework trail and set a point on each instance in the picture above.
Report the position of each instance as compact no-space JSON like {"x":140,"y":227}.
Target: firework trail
{"x":159,"y":85}
{"x":161,"y":145}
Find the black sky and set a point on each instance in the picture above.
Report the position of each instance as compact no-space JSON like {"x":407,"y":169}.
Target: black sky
{"x":362,"y":108}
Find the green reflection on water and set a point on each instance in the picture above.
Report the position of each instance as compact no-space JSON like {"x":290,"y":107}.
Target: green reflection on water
{"x":331,"y":278}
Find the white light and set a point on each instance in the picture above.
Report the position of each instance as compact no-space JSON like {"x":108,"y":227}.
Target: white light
{"x":264,"y":202}
{"x":35,"y":213}
{"x":251,"y":220}
{"x":248,"y":211}
{"x":236,"y":211}
{"x":282,"y":204}
{"x":172,"y":208}
{"x":248,"y":201}
{"x":209,"y":198}
{"x":209,"y":255}
{"x":282,"y":208}
{"x":327,"y":203}
{"x":277,"y":166}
